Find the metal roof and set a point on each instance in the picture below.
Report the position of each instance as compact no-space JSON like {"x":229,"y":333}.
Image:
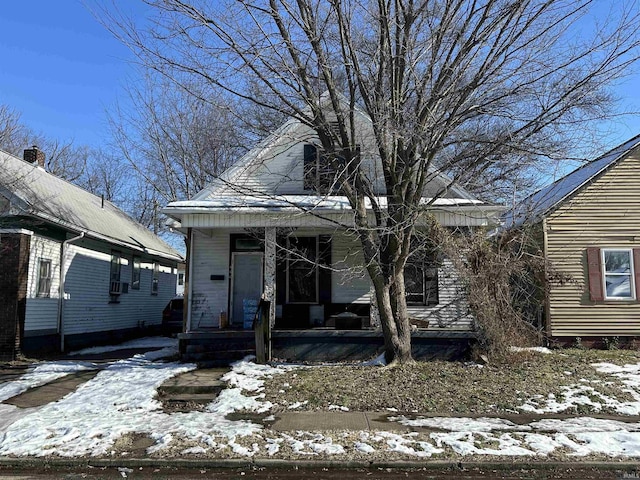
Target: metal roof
{"x":35,"y":192}
{"x":541,"y":203}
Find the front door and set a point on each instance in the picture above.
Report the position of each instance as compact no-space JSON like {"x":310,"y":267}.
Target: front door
{"x":246,"y":288}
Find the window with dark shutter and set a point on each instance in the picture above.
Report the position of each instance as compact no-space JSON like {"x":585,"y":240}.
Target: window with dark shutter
{"x":155,"y":280}
{"x":617,"y":267}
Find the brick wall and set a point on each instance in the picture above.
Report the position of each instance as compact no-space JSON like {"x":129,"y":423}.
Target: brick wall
{"x":14,"y":269}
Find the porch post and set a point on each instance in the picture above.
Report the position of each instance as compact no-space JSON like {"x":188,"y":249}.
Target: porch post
{"x":270,"y":271}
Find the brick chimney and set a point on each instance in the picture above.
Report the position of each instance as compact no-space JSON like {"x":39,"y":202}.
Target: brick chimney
{"x":34,"y":155}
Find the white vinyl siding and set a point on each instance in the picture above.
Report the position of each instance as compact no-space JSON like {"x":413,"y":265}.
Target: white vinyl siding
{"x":42,"y":312}
{"x":349,"y":280}
{"x":279,"y":169}
{"x":88,"y":308}
{"x":452,"y":310}
{"x":351,"y":284}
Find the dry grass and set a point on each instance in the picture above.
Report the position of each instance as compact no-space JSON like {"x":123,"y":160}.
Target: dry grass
{"x":447,"y":387}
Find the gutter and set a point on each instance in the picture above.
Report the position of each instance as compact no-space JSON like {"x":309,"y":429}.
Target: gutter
{"x":63,"y":251}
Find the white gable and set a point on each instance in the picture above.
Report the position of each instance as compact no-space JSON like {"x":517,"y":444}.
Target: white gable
{"x":275,"y":166}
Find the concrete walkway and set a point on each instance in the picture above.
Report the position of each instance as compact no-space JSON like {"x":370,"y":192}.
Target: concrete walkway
{"x":52,"y":391}
{"x":320,"y":421}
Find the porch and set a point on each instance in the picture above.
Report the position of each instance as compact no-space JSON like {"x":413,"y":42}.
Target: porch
{"x":217,"y":347}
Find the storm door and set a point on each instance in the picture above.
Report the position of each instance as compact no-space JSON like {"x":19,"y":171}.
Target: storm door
{"x":246,"y":287}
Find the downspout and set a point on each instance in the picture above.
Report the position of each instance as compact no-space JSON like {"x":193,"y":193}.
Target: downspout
{"x":63,"y":251}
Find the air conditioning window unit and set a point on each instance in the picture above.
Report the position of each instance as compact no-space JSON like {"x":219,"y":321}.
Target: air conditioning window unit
{"x":115,"y":288}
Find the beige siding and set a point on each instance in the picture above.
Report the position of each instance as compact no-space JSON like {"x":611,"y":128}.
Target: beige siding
{"x":604,"y":214}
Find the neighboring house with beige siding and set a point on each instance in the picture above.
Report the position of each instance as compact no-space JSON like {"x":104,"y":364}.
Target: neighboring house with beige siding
{"x":267,"y":227}
{"x":75,"y":271}
{"x":590,"y":222}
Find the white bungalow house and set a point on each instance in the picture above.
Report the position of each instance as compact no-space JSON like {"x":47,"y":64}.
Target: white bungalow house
{"x":262,"y":229}
{"x":75,"y":270}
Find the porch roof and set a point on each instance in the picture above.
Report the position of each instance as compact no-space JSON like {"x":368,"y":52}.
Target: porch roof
{"x":301,"y":203}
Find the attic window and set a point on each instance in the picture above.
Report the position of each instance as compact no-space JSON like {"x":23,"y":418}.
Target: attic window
{"x":320,"y":174}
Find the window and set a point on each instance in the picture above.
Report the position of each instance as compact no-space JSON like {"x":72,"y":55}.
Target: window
{"x":181,"y":279}
{"x":302,"y":271}
{"x":421,"y":281}
{"x":320,"y":169}
{"x":618,"y":274}
{"x":135,"y":274}
{"x":156,"y":278}
{"x":44,"y":278}
{"x":115,"y":287}
{"x":116,"y":265}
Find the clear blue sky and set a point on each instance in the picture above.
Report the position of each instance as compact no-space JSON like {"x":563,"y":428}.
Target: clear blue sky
{"x":60,"y":67}
{"x":62,"y":70}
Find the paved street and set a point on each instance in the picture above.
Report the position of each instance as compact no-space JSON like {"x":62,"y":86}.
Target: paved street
{"x":582,"y":473}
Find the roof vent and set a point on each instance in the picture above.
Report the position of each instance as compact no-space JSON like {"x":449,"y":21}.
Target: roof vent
{"x":34,"y":155}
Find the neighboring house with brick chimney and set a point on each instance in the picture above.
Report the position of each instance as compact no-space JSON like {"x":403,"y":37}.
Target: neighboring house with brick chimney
{"x":75,"y":271}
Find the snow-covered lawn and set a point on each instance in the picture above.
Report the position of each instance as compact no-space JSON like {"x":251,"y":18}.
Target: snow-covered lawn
{"x":120,"y":402}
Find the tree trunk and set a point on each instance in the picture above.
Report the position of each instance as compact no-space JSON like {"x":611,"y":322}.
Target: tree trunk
{"x":394,"y":322}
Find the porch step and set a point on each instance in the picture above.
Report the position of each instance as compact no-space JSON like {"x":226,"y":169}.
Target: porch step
{"x":216,"y":349}
{"x":191,"y":390}
{"x":217,"y":358}
{"x":212,"y":388}
{"x":220,"y":347}
{"x":199,"y":398}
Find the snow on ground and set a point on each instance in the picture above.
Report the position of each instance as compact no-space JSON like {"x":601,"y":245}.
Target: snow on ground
{"x":120,"y":400}
{"x":544,"y":350}
{"x":585,"y":393}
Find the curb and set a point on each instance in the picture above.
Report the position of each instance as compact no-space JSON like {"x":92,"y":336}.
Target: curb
{"x":32,"y":462}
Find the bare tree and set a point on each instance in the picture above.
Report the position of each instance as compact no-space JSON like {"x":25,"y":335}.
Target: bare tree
{"x":477,"y":89}
{"x":174,"y":141}
{"x":63,"y":158}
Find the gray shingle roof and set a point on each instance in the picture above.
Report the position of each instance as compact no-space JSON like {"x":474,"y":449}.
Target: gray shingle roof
{"x":541,"y":203}
{"x":35,"y":192}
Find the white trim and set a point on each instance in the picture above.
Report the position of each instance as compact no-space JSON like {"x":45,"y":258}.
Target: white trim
{"x":631,"y":274}
{"x":21,"y":231}
{"x":232,"y":278}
